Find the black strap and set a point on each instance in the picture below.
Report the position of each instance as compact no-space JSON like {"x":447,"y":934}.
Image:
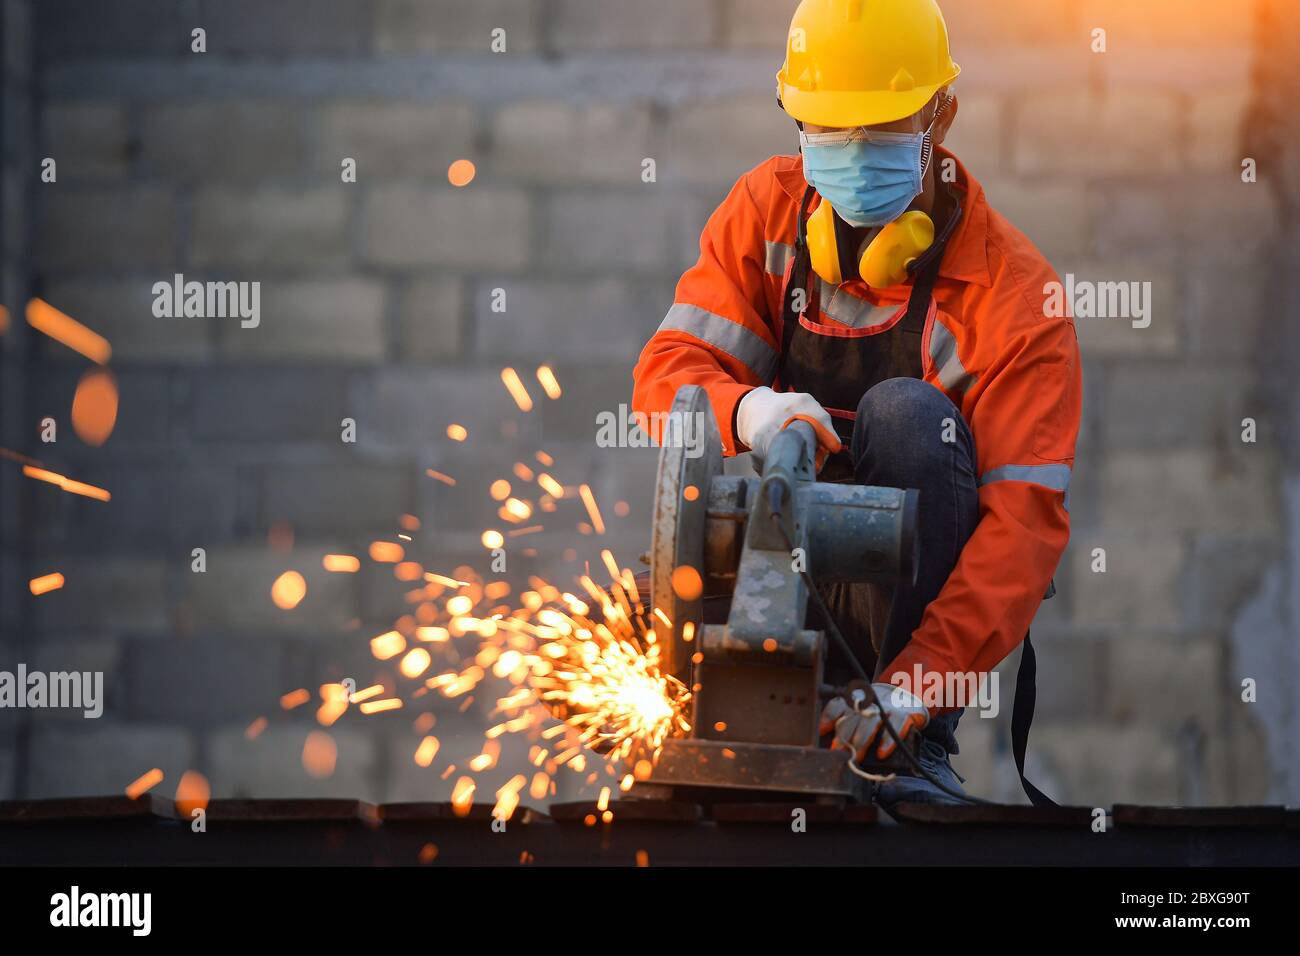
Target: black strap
{"x":1022,"y":715}
{"x":798,"y":280}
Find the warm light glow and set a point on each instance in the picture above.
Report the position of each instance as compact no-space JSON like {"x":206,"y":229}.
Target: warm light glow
{"x":517,"y":509}
{"x":67,"y":484}
{"x":192,"y":793}
{"x":510,"y":378}
{"x":492,"y":539}
{"x":415,"y":663}
{"x":94,"y":406}
{"x":63,"y":328}
{"x":457,"y":432}
{"x":319,"y":754}
{"x":288,"y":590}
{"x":386,"y":645}
{"x":144,"y":783}
{"x":295,"y":698}
{"x":386,"y":552}
{"x":550,"y":384}
{"x":341,"y":563}
{"x":408,"y":571}
{"x":686,"y":583}
{"x":427,"y":750}
{"x":46,"y":583}
{"x":462,"y":796}
{"x":593,"y":511}
{"x":461,"y":173}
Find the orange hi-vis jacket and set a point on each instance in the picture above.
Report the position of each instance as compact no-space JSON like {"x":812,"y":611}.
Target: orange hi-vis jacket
{"x":1011,"y":369}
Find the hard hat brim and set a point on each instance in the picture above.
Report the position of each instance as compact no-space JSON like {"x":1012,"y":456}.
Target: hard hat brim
{"x":845,"y":108}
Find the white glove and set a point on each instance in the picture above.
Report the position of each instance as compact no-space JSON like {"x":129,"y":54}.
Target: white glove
{"x":857,"y":724}
{"x":762,"y":413}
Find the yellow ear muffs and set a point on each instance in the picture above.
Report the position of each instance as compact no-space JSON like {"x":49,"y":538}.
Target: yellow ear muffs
{"x":882,"y":262}
{"x":885,"y":260}
{"x":823,"y":244}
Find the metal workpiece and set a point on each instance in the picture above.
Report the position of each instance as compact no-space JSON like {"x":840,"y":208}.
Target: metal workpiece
{"x":767,"y":768}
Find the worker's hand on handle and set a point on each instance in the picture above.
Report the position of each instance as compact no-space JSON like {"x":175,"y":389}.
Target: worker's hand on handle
{"x":857,"y":722}
{"x":762,"y":413}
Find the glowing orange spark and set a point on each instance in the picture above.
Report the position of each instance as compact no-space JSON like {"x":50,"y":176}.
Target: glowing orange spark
{"x":254,"y":730}
{"x":386,"y":552}
{"x":372,"y":691}
{"x":144,"y":783}
{"x":386,"y":645}
{"x":192,"y":793}
{"x":461,"y":173}
{"x":415,"y":663}
{"x":510,"y":378}
{"x":288,"y":590}
{"x":341,"y":563}
{"x":94,"y":406}
{"x":444,"y":580}
{"x":593,"y":511}
{"x":427,"y":750}
{"x":379,"y":706}
{"x":295,"y":698}
{"x":686,"y":583}
{"x":45,"y":583}
{"x":550,"y":384}
{"x":67,"y":484}
{"x":65,"y":329}
{"x":457,"y":432}
{"x":462,"y":796}
{"x":439,"y":476}
{"x":319,"y":754}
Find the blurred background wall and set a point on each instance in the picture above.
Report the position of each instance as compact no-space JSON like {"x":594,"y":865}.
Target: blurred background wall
{"x":377,"y":306}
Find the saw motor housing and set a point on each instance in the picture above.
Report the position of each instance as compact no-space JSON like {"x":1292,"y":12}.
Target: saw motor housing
{"x":757,"y":680}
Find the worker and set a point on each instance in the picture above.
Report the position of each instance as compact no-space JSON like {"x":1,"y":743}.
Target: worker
{"x":867,"y":287}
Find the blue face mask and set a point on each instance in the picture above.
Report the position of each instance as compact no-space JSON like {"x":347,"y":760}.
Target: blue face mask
{"x":869,"y":177}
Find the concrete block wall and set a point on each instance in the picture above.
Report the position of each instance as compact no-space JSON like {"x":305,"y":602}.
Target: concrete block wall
{"x":377,"y":305}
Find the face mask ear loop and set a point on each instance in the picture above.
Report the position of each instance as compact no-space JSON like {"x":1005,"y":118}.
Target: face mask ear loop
{"x":927,"y":144}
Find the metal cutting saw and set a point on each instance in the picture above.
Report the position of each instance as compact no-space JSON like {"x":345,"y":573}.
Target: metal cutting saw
{"x":742,"y":644}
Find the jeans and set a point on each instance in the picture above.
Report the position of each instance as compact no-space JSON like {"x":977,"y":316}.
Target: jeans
{"x":908,"y":435}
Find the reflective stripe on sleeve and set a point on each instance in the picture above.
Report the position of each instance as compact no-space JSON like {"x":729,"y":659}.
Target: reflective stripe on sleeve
{"x":725,"y":335}
{"x":1055,"y":477}
{"x":778,"y":258}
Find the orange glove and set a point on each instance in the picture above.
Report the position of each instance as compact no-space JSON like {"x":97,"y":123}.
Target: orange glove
{"x":858,"y":724}
{"x":828,"y":443}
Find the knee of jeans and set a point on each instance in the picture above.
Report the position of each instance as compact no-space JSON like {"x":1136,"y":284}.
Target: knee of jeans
{"x":904,"y":401}
{"x":899,"y":410}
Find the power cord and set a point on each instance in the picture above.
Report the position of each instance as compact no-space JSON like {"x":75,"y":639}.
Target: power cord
{"x":838,"y":636}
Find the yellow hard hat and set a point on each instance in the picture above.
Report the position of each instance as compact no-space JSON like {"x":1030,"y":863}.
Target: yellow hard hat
{"x":863,"y":62}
